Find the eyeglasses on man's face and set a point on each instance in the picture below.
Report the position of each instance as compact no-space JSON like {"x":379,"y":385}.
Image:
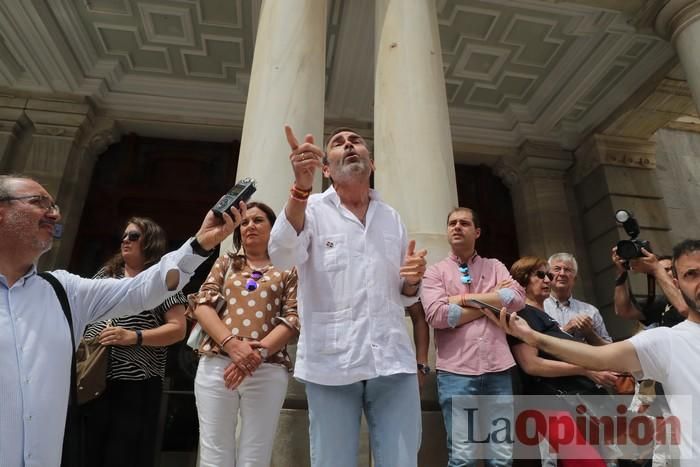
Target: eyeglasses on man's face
{"x":132,"y":236}
{"x":41,"y":201}
{"x":542,"y":275}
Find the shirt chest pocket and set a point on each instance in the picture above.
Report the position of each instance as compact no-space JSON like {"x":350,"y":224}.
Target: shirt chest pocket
{"x":332,"y":330}
{"x":334,"y":248}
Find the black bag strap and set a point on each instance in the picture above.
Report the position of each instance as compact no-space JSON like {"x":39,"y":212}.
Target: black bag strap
{"x":71,"y":438}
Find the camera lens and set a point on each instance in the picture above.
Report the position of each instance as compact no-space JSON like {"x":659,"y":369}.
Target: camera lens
{"x":627,"y":249}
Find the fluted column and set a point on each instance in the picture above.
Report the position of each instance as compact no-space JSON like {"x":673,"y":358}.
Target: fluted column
{"x":678,"y":21}
{"x":413,"y":143}
{"x":287,"y":85}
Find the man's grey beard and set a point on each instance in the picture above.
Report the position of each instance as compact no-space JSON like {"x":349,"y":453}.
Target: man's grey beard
{"x":17,"y":224}
{"x":354,"y":169}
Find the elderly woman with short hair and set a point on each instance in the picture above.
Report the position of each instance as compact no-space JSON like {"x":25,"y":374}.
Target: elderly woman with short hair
{"x":542,"y":373}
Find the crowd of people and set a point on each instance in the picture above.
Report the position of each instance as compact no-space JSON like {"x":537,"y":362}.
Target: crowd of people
{"x":335,"y":272}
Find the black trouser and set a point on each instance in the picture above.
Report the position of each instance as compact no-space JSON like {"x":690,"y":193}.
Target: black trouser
{"x":119,"y":427}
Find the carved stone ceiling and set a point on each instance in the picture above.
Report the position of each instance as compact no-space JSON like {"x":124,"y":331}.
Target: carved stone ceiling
{"x":543,"y":70}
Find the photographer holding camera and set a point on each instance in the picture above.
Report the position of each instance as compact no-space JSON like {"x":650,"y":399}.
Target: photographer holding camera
{"x":665,"y":310}
{"x":635,"y":255}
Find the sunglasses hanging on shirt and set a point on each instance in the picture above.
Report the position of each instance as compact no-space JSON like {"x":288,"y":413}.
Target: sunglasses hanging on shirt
{"x":464,"y":269}
{"x":252,"y":283}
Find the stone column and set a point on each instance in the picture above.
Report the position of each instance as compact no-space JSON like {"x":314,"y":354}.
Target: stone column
{"x":413,"y":143}
{"x":611,"y":173}
{"x":287,"y":85}
{"x":537,"y":180}
{"x":413,"y":149}
{"x":678,"y":22}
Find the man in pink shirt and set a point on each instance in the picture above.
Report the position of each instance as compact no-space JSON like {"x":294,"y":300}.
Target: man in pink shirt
{"x":473,"y":357}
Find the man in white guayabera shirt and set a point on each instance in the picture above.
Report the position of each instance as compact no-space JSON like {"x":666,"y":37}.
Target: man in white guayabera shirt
{"x":35,"y":340}
{"x":357,"y":272}
{"x":670,"y":356}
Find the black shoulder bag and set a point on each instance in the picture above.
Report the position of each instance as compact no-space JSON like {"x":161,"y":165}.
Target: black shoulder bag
{"x":71,"y":437}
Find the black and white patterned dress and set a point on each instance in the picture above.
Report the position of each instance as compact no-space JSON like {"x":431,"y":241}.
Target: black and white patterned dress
{"x":132,"y":363}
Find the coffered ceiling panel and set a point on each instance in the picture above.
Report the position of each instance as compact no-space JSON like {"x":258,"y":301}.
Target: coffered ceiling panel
{"x":205,"y":39}
{"x":545,"y":70}
{"x":529,"y":69}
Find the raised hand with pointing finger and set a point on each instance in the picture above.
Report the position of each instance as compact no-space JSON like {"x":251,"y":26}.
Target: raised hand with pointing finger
{"x":305,"y":159}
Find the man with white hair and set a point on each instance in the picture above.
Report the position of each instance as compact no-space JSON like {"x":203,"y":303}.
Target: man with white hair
{"x":580,"y":319}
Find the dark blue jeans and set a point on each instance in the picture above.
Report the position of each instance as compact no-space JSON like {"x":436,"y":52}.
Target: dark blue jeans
{"x":464,"y":427}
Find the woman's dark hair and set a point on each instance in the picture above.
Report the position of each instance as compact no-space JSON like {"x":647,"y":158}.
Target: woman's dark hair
{"x":238,"y":260}
{"x":523,"y":268}
{"x":153,"y":245}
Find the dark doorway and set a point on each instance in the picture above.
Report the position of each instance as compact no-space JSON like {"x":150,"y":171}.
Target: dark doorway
{"x":174,"y":183}
{"x":479,"y":189}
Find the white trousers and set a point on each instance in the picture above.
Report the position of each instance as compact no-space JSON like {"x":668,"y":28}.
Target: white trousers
{"x":259,"y":399}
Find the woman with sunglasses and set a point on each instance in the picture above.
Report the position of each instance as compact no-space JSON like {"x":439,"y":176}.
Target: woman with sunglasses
{"x":245,"y":307}
{"x":120,"y":425}
{"x":541,"y":373}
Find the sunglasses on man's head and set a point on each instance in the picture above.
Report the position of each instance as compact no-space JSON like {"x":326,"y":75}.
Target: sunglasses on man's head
{"x":131,"y":236}
{"x":252,"y":283}
{"x":542,"y":275}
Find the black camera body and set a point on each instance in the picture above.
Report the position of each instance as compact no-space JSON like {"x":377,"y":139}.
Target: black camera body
{"x":632,"y":248}
{"x":242,"y":191}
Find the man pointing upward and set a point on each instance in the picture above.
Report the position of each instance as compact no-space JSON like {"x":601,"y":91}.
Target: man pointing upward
{"x":357,"y":271}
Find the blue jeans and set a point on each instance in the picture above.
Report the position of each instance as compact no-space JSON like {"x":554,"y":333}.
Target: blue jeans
{"x":462,"y":452}
{"x":392,"y":408}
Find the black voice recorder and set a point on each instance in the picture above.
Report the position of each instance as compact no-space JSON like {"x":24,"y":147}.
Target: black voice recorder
{"x":242,"y":191}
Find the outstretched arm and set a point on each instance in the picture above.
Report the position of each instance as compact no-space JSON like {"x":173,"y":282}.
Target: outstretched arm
{"x":619,"y":356}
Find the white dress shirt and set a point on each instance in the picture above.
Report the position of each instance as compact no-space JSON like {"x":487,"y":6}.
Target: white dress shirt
{"x":35,"y":348}
{"x":350,"y":302}
{"x":563,"y":312}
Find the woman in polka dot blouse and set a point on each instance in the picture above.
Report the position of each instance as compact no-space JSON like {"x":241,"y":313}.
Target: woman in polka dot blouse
{"x":248,"y":312}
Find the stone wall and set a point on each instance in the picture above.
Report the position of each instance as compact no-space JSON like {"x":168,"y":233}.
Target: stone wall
{"x":678,"y":174}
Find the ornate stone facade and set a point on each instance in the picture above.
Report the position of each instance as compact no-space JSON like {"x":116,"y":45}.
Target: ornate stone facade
{"x":582,"y":107}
